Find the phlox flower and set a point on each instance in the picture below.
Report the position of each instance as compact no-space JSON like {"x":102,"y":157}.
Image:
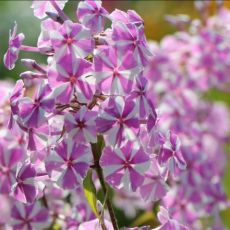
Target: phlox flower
{"x":15,"y":42}
{"x":72,"y":37}
{"x":69,"y":75}
{"x":125,"y":166}
{"x":26,"y":188}
{"x":29,"y":217}
{"x":68,"y":163}
{"x":170,"y":154}
{"x":118,"y":120}
{"x":154,"y":186}
{"x":92,"y":15}
{"x":167,"y":223}
{"x":32,"y":111}
{"x":114,"y":71}
{"x":132,"y":38}
{"x":130,"y":17}
{"x":16,"y":94}
{"x":139,"y":95}
{"x":9,"y":157}
{"x":41,"y":7}
{"x":82,"y":126}
{"x":95,"y":224}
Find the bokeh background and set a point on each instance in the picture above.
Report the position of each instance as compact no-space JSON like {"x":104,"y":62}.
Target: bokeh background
{"x":156,"y":27}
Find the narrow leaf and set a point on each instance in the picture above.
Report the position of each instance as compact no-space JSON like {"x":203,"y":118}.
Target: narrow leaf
{"x":90,"y":192}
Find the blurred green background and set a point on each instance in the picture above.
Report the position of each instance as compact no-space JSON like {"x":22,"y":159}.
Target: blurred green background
{"x":152,"y":12}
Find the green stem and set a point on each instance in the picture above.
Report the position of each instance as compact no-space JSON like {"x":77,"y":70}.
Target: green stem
{"x":96,"y":150}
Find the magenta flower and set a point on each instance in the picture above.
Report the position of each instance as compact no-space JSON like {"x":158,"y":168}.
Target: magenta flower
{"x":17,"y":93}
{"x":92,"y":15}
{"x":69,"y":75}
{"x":72,"y":37}
{"x":41,"y":7}
{"x":170,"y":154}
{"x":118,"y":120}
{"x":130,"y":17}
{"x":154,"y":186}
{"x":167,"y":223}
{"x":9,"y":157}
{"x":68,"y":164}
{"x":29,"y":217}
{"x":132,"y":38}
{"x":140,"y":96}
{"x":95,"y":224}
{"x":33,"y":111}
{"x":125,"y":166}
{"x":82,"y":126}
{"x":15,"y":42}
{"x":44,"y":41}
{"x":115,"y":71}
{"x":26,"y":189}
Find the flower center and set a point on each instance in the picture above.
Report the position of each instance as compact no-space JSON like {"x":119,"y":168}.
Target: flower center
{"x":115,"y":72}
{"x":69,"y":41}
{"x":72,"y":79}
{"x":120,"y":120}
{"x":81,"y":124}
{"x":69,"y":163}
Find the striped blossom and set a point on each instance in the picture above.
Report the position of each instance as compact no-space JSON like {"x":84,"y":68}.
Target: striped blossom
{"x":118,"y":120}
{"x":15,"y":42}
{"x":68,"y":163}
{"x":125,"y":166}
{"x":41,"y":7}
{"x":29,"y":217}
{"x":92,"y":15}
{"x":26,"y":189}
{"x":68,"y":76}
{"x":128,"y":36}
{"x":72,"y":37}
{"x":32,"y":111}
{"x":115,"y":71}
{"x":171,"y":155}
{"x":9,"y":157}
{"x":82,"y":126}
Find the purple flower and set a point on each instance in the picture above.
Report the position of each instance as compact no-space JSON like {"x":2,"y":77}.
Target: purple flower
{"x":72,"y":37}
{"x":92,"y":15}
{"x":29,"y":217}
{"x":170,"y":154}
{"x":68,"y":164}
{"x":167,"y":223}
{"x":130,"y":17}
{"x":9,"y":157}
{"x":69,"y":75}
{"x":15,"y":42}
{"x":154,"y":186}
{"x":44,"y":41}
{"x":140,"y":96}
{"x":95,"y":224}
{"x":125,"y":166}
{"x":82,"y":126}
{"x":26,"y":189}
{"x":132,"y":38}
{"x":115,"y":71}
{"x":17,"y":93}
{"x":41,"y":7}
{"x":32,"y":112}
{"x":118,"y":120}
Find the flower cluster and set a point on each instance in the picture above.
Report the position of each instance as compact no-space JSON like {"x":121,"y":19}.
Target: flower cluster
{"x":87,"y":121}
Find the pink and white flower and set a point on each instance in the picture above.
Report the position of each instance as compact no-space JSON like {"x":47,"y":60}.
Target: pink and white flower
{"x":125,"y":166}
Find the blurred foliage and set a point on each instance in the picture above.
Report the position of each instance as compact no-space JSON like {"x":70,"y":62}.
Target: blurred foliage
{"x":156,"y":27}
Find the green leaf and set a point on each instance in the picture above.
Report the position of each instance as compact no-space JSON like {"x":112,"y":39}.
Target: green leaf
{"x":147,"y":218}
{"x":90,"y":192}
{"x":225,"y":214}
